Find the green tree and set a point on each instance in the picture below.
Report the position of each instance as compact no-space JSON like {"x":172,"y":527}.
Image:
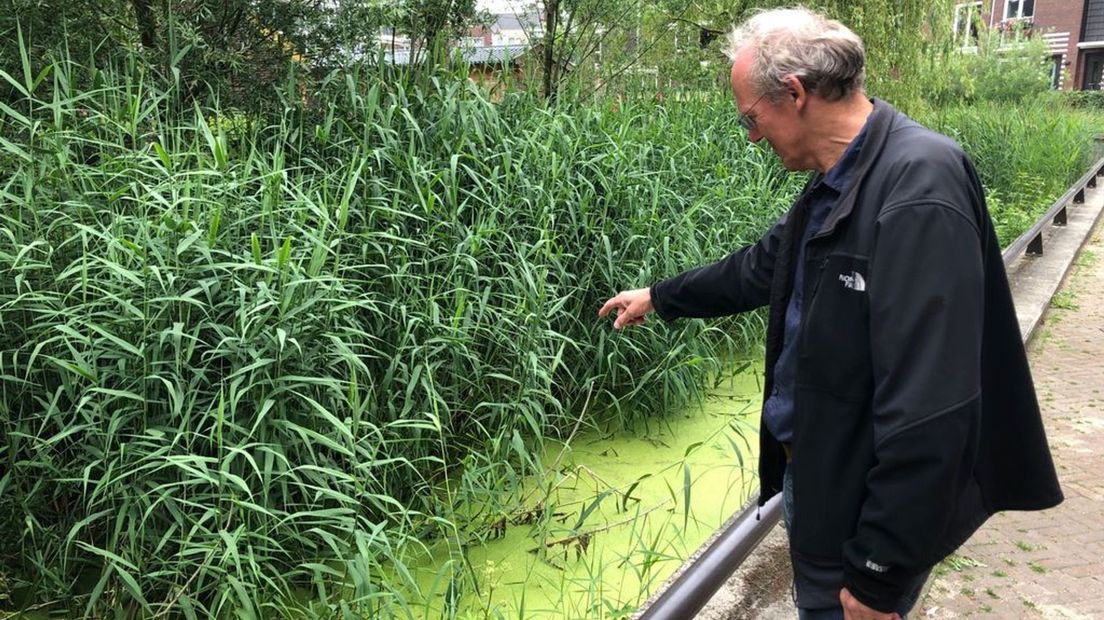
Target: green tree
{"x":232,"y":45}
{"x":681,"y":40}
{"x":236,"y":48}
{"x":1006,"y":66}
{"x":436,"y":23}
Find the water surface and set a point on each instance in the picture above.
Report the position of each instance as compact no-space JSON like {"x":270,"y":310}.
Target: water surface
{"x":628,"y":508}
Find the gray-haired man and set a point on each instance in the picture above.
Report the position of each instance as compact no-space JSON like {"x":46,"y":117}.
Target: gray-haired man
{"x":899,"y":410}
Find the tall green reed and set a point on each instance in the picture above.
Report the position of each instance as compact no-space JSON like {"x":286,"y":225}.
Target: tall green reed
{"x":1027,"y":154}
{"x":253,"y":364}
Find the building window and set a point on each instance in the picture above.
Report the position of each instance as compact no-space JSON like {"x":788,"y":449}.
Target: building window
{"x":1017,"y":9}
{"x":1094,"y":71}
{"x":966,"y":20}
{"x":1056,"y":71}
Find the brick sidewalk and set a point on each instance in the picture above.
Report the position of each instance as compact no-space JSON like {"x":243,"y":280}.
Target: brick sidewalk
{"x":1048,"y":564}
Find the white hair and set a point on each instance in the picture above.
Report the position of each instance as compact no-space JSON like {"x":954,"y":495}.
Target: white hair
{"x":824,"y":54}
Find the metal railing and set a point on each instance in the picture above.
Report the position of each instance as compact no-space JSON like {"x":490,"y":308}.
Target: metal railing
{"x":701,"y":579}
{"x":1031,"y":242}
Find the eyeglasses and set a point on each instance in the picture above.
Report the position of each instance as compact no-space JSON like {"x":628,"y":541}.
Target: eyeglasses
{"x":746,"y":121}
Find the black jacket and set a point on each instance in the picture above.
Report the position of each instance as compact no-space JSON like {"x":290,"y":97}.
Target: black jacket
{"x":915,"y":413}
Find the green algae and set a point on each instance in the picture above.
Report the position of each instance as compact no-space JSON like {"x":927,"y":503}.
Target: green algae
{"x":611,"y":519}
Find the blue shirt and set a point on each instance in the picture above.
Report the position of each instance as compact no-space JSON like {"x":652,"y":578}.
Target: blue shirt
{"x":778,"y":411}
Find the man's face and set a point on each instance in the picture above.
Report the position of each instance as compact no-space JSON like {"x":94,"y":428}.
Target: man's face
{"x":775,"y":121}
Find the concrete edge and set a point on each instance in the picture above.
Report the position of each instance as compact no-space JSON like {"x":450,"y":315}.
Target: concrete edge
{"x":1036,"y":279}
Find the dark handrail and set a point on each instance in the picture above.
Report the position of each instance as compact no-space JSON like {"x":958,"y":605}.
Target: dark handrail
{"x":701,"y":579}
{"x":1031,"y":241}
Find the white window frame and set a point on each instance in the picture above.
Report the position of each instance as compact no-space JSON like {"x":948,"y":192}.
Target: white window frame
{"x":1019,"y":10}
{"x":1056,"y":77}
{"x":965,"y":14}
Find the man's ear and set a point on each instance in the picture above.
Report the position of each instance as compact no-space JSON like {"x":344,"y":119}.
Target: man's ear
{"x":796,"y":90}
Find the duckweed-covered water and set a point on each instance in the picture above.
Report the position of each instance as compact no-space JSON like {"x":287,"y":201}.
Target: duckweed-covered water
{"x":628,"y":509}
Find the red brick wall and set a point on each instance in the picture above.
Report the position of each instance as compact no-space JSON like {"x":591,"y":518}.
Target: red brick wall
{"x":1051,"y":16}
{"x":1064,"y":16}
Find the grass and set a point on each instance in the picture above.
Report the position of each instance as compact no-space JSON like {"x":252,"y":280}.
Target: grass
{"x":957,"y":562}
{"x":256,"y":367}
{"x":1085,"y":258}
{"x":1064,"y":300}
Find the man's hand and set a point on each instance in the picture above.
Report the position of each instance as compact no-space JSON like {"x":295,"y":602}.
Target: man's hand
{"x":631,"y":306}
{"x":853,"y":609}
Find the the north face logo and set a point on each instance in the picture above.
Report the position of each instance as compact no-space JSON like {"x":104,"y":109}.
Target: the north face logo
{"x":853,"y":281}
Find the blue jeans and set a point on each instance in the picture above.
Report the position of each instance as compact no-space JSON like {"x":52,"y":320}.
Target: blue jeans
{"x":822,"y":584}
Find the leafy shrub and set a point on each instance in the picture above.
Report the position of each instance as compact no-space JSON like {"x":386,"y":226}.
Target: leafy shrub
{"x":1087,"y":99}
{"x":1005,"y":67}
{"x":1027,"y":155}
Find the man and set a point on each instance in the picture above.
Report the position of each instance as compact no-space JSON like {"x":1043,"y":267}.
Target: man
{"x":899,"y":411}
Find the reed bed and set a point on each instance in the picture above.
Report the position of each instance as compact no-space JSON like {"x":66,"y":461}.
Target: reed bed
{"x":1027,"y":155}
{"x":256,"y":366}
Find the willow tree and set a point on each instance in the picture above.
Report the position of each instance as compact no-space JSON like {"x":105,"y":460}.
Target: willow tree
{"x":905,"y":40}
{"x":682,"y":39}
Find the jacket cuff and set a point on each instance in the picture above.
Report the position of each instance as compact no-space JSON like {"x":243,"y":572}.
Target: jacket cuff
{"x":879,"y":591}
{"x":658,"y":302}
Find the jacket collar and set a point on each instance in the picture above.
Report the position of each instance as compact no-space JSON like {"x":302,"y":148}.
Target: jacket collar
{"x":878,"y":126}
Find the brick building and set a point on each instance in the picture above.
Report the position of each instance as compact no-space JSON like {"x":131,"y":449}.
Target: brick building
{"x":1074,"y":30}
